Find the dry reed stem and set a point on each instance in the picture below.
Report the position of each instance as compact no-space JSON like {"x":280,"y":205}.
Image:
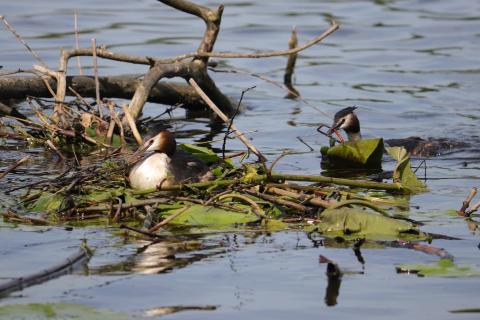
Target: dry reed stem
{"x":14,"y":166}
{"x":168,"y":219}
{"x":133,"y":126}
{"x":466,"y":203}
{"x":23,"y":42}
{"x":97,"y":84}
{"x":225,"y":119}
{"x":77,"y":44}
{"x":256,"y":208}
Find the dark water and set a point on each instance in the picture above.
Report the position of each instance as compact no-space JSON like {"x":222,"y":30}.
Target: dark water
{"x":412,"y":67}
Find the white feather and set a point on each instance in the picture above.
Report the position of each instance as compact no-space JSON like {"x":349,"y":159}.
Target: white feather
{"x":151,"y":172}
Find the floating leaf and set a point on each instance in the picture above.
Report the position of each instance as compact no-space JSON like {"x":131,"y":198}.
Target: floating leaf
{"x":198,"y":215}
{"x":403,"y":172}
{"x":205,"y":154}
{"x":348,"y":221}
{"x":44,"y":311}
{"x":365,"y":153}
{"x":47,"y":202}
{"x":101,"y":195}
{"x":92,"y":133}
{"x":443,"y":268}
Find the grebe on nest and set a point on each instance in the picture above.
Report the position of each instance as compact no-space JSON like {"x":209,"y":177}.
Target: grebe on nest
{"x":347,"y":120}
{"x":163,"y":165}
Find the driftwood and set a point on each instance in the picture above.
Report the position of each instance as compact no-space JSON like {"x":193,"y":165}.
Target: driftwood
{"x":189,"y":66}
{"x":122,"y":87}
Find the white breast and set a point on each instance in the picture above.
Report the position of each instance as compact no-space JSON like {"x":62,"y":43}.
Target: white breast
{"x":151,"y":172}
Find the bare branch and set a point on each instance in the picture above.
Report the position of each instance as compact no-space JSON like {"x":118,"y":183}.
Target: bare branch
{"x":20,"y":39}
{"x":156,"y":73}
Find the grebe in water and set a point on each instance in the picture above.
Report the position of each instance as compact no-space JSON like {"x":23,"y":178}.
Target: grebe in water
{"x":347,"y":120}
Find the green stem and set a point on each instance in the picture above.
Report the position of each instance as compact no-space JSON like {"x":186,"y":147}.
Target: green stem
{"x":341,"y":181}
{"x":361,"y":203}
{"x":280,"y":177}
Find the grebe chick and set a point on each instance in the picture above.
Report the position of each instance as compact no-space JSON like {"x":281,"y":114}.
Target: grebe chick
{"x":347,"y":120}
{"x":163,"y":165}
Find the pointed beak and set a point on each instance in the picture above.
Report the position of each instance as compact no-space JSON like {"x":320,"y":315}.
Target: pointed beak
{"x":334,"y":127}
{"x":138,"y":154}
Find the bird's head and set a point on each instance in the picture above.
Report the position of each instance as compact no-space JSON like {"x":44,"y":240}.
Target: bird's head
{"x":347,"y":120}
{"x":163,"y":142}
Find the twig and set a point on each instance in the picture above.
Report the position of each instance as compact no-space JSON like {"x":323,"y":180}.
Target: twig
{"x":466,"y":203}
{"x":259,"y":54}
{"x":20,"y":39}
{"x":111,"y":128}
{"x":143,"y":232}
{"x":10,"y":216}
{"x":290,"y":204}
{"x":256,"y":208}
{"x":54,"y":148}
{"x":428,"y":249}
{"x":97,"y":84}
{"x":119,"y":210}
{"x":284,"y":153}
{"x":14,"y":166}
{"x":225,"y":119}
{"x":103,"y":53}
{"x":302,"y":141}
{"x":168,"y":219}
{"x":474,"y":208}
{"x":77,"y":44}
{"x":312,"y":200}
{"x":231,"y":120}
{"x":131,"y":123}
{"x":79,"y":97}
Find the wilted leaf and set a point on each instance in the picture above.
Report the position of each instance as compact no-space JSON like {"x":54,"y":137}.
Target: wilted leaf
{"x":443,"y":268}
{"x":44,"y":311}
{"x":365,"y":153}
{"x":348,"y":221}
{"x":403,"y":172}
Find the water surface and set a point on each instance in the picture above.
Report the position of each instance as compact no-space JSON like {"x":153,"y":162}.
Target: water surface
{"x":412,"y":67}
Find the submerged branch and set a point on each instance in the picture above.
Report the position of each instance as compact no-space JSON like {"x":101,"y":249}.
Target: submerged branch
{"x":64,"y":267}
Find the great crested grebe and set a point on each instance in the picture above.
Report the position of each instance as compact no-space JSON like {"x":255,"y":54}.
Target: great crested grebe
{"x":347,"y":120}
{"x":163,"y":165}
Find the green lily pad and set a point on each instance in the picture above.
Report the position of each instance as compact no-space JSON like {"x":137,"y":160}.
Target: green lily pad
{"x":198,"y":215}
{"x":205,"y":154}
{"x":403,"y":172}
{"x":349,"y":221}
{"x":47,"y":202}
{"x":443,"y":268}
{"x":44,"y":311}
{"x":365,"y":153}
